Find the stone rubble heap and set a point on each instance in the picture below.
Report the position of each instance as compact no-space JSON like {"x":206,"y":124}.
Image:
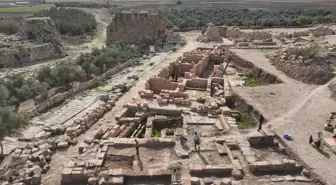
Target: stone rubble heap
{"x":174,"y":38}
{"x":211,"y":34}
{"x":322,"y":31}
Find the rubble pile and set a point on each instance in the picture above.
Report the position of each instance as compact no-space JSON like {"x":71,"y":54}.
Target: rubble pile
{"x":233,"y":32}
{"x":321,"y":31}
{"x":211,"y":34}
{"x":312,"y":70}
{"x":174,"y":38}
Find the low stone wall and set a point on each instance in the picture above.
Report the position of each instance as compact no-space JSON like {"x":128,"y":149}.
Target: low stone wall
{"x":199,"y":83}
{"x":82,"y":86}
{"x":265,"y":166}
{"x":158,"y":84}
{"x":222,"y":170}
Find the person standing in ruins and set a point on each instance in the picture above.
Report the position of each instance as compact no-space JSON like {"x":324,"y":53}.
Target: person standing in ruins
{"x":212,"y":90}
{"x":173,"y":72}
{"x":178,"y":70}
{"x":261,"y":120}
{"x":137,"y":147}
{"x":196,"y":140}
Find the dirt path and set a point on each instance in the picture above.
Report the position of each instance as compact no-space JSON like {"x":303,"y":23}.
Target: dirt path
{"x":62,"y":158}
{"x":297,"y":109}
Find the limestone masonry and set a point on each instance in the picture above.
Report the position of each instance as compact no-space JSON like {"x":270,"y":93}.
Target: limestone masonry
{"x":134,"y":28}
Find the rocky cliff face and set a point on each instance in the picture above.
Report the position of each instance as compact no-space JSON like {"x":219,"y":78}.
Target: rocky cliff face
{"x":39,"y":40}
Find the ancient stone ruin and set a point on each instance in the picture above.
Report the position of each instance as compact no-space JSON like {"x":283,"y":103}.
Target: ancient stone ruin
{"x":174,"y":38}
{"x":248,"y":39}
{"x":37,"y":40}
{"x":135,"y":28}
{"x":210,"y":33}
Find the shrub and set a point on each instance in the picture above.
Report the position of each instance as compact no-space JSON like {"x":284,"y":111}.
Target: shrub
{"x":100,"y":60}
{"x":10,"y":123}
{"x":9,"y":26}
{"x":178,"y":2}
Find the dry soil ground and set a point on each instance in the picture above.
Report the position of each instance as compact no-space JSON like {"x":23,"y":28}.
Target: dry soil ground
{"x":294,"y":108}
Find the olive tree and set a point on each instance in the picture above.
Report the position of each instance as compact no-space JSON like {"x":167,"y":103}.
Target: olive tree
{"x":10,"y":123}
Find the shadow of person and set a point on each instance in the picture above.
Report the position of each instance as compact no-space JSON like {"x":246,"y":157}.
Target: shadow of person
{"x":326,"y":154}
{"x":139,"y":162}
{"x":205,"y":162}
{"x":186,"y":147}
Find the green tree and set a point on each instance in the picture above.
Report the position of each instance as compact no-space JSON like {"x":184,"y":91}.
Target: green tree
{"x":10,"y":123}
{"x":178,"y":2}
{"x":67,"y":74}
{"x":4,"y":95}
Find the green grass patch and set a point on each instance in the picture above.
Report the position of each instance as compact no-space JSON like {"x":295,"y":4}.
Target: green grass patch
{"x":252,"y":82}
{"x":245,"y":121}
{"x":98,"y":31}
{"x":157,"y":130}
{"x":25,"y":9}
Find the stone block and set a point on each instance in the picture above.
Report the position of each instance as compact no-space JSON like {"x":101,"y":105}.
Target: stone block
{"x":194,"y":181}
{"x":99,"y":162}
{"x":218,"y":169}
{"x":277,"y":179}
{"x":196,"y":168}
{"x":289,"y":178}
{"x":208,"y":181}
{"x":66,"y":174}
{"x":104,"y":148}
{"x":225,"y":181}
{"x":250,"y":159}
{"x":77,"y":175}
{"x":63,"y":145}
{"x":305,"y":172}
{"x":115,"y":172}
{"x":93,"y":181}
{"x":116,"y":180}
{"x":36,"y":179}
{"x":277,"y":165}
{"x":302,"y":179}
{"x":237,"y":174}
{"x":8,"y":175}
{"x":103,"y":181}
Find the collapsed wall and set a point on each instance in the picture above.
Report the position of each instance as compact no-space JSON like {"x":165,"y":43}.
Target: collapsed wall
{"x":135,"y":28}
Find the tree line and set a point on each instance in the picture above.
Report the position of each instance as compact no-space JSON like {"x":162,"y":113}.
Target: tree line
{"x":197,"y":17}
{"x":70,"y":21}
{"x":84,"y":5}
